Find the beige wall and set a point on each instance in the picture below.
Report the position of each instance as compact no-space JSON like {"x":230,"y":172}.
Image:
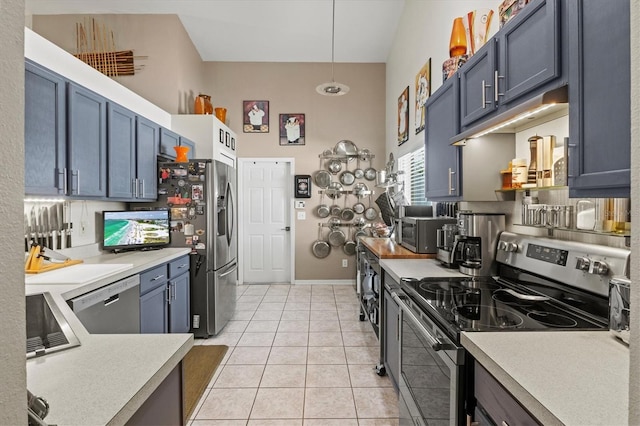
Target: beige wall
{"x":172,"y":71}
{"x":174,"y":74}
{"x":12,"y":314}
{"x":290,"y":88}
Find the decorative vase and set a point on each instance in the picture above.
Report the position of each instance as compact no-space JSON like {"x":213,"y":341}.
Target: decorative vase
{"x":181,"y":154}
{"x":202,"y":105}
{"x":477,"y":25}
{"x":221,"y":113}
{"x":458,"y":42}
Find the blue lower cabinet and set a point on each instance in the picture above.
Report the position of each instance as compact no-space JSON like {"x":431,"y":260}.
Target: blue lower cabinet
{"x":153,"y":311}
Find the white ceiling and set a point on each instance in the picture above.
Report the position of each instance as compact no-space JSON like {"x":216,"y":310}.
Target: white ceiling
{"x":263,"y":30}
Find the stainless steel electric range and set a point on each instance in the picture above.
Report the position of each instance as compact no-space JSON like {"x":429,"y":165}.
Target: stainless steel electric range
{"x":542,"y":284}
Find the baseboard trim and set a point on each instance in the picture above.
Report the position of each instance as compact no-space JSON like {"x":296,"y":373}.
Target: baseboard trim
{"x":325,"y":282}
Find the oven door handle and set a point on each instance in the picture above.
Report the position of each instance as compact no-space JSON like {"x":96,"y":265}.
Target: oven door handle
{"x":436,"y":344}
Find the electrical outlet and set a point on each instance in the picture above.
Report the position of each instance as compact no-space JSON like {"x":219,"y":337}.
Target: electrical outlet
{"x":302,"y":215}
{"x":299,"y":204}
{"x":345,"y":263}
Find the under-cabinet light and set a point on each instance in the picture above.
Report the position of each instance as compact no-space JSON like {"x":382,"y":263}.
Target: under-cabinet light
{"x":44,"y":200}
{"x":513,"y":120}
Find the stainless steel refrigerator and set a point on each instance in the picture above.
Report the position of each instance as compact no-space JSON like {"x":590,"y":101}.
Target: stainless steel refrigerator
{"x":201,"y":197}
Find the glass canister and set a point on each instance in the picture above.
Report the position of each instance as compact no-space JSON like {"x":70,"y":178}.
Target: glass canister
{"x":585,"y":215}
{"x":604,"y":215}
{"x":621,"y":215}
{"x":519,"y":172}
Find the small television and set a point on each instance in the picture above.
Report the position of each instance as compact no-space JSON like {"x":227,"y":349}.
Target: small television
{"x":135,"y":230}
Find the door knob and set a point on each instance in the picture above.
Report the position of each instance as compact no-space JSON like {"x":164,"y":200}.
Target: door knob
{"x":286,"y":228}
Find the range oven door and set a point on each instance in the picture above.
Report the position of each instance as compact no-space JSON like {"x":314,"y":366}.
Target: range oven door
{"x":431,"y":370}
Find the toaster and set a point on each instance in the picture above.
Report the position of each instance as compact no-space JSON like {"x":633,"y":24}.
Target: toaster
{"x":619,"y":292}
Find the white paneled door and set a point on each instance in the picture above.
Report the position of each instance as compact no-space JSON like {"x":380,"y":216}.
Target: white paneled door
{"x":266,"y":191}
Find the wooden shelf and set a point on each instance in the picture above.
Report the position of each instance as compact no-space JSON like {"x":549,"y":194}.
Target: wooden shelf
{"x":580,"y":231}
{"x":535,"y":188}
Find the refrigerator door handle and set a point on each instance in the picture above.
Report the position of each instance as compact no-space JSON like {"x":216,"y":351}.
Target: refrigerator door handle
{"x":230,"y":212}
{"x":235,"y":267}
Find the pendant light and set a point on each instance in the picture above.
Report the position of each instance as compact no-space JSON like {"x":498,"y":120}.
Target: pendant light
{"x":332,"y":88}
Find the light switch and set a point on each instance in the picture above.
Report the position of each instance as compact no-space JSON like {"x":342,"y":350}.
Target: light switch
{"x":302,"y":215}
{"x":299,"y":204}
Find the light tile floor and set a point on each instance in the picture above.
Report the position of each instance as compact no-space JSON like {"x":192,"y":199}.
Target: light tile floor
{"x":298,"y":355}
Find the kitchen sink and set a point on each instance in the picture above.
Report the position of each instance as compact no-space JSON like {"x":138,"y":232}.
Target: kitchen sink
{"x":47,"y":329}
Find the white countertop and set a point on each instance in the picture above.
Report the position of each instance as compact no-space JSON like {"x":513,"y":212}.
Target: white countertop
{"x":561,"y":377}
{"x":108,"y":377}
{"x":417,"y":268}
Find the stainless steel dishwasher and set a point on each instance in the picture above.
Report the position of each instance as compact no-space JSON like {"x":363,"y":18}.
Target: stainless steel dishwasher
{"x":112,"y":309}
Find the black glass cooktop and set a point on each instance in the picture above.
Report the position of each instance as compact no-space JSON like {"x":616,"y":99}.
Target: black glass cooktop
{"x":486,"y":304}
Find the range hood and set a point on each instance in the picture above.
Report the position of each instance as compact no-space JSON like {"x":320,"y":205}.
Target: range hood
{"x":551,"y":104}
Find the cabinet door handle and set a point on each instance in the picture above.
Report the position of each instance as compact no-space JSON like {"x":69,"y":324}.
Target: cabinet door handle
{"x":75,"y":174}
{"x":168,"y":293}
{"x":451,"y":188}
{"x":141,"y":189}
{"x":64,"y":181}
{"x":484,"y":94}
{"x":496,"y":92}
{"x":133,"y":188}
{"x":184,"y":265}
{"x":157,"y":278}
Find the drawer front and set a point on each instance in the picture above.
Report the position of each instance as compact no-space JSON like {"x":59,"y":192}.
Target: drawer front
{"x":178,"y":266}
{"x":498,"y":402}
{"x":153,"y":278}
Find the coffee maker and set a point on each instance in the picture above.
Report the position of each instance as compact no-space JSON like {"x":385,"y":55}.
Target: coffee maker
{"x":476,"y":242}
{"x":446,"y":238}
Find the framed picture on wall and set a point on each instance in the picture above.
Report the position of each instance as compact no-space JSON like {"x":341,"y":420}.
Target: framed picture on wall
{"x":292,"y":129}
{"x":255,"y":116}
{"x":403,"y":116}
{"x":302,"y":186}
{"x":423,"y":91}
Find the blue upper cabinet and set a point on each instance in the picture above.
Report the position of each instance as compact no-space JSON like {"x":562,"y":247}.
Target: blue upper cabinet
{"x":132,"y":148}
{"x":530,"y":51}
{"x":442,"y":160}
{"x":477,"y":97}
{"x":44,"y":132}
{"x":87,"y":142}
{"x":600,"y":104}
{"x":527,"y":57}
{"x":121,"y":152}
{"x":168,"y":140}
{"x":147,"y":140}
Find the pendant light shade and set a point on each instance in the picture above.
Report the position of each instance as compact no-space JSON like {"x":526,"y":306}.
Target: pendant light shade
{"x":332,"y":88}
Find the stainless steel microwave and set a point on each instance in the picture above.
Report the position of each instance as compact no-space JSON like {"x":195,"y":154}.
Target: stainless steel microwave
{"x":418,"y":234}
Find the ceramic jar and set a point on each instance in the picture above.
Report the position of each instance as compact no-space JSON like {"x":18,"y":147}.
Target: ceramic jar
{"x":202,"y":105}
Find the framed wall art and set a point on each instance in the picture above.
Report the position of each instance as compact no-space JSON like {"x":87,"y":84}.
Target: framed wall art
{"x":302,"y":186}
{"x":255,"y":116}
{"x":403,"y":117}
{"x":292,"y":129}
{"x":423,"y":91}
